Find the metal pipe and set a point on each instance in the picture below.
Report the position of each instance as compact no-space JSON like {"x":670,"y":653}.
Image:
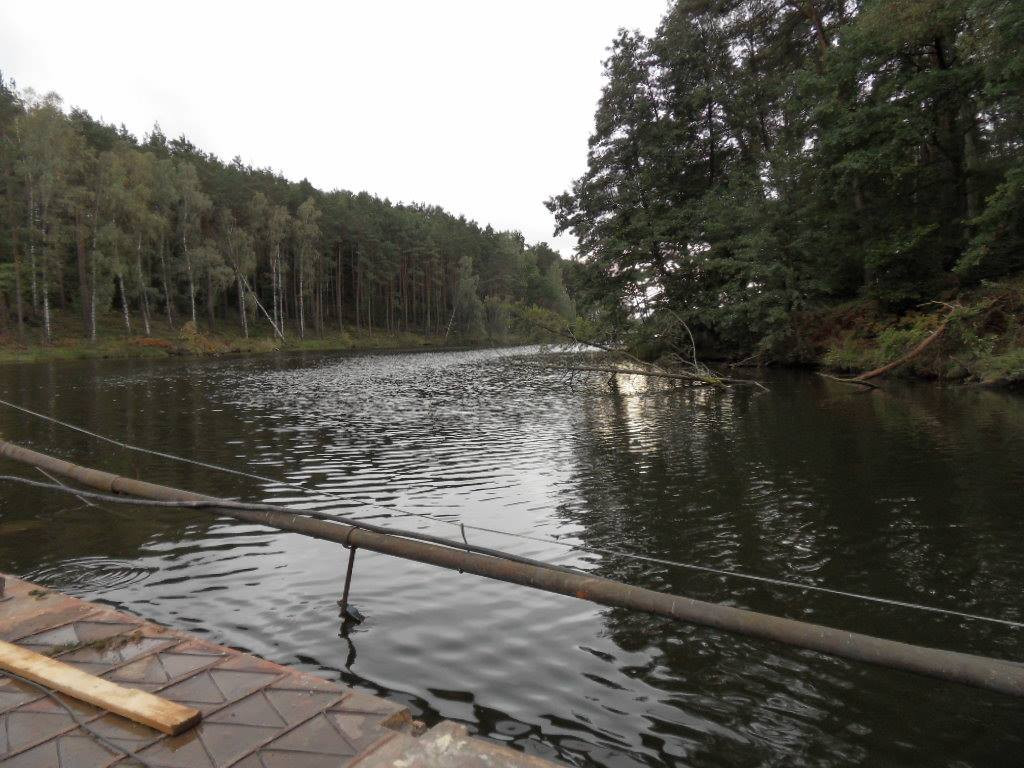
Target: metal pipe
{"x":979,"y":671}
{"x":343,"y":603}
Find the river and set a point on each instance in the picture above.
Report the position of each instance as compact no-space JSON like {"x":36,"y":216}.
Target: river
{"x":913,"y":492}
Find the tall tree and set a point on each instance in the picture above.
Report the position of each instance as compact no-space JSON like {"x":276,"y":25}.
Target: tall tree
{"x":191,"y":205}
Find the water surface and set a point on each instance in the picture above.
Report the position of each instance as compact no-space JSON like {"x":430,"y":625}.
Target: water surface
{"x":913,"y":493}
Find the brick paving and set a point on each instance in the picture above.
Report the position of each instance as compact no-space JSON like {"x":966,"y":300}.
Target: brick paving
{"x":256,"y":714}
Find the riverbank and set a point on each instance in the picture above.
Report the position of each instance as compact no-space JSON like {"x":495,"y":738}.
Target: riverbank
{"x":975,"y":337}
{"x":164,"y":341}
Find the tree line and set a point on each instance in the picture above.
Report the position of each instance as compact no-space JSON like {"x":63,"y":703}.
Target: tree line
{"x":756,"y":158}
{"x":93,"y":220}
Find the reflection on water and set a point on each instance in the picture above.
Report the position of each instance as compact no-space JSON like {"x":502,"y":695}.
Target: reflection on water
{"x":912,"y":493}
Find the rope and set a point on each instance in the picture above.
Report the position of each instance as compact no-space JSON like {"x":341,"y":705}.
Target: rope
{"x":106,"y":743}
{"x":526,"y":537}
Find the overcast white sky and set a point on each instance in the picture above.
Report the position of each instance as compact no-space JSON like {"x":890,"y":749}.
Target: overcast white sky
{"x":483,"y":107}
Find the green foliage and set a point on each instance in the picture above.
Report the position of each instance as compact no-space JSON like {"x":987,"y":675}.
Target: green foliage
{"x":997,"y":249}
{"x":89,"y":214}
{"x":1005,"y":369}
{"x":755,"y":159}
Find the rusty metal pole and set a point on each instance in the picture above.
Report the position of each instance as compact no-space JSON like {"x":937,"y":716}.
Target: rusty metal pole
{"x":979,"y":671}
{"x":345,"y":612}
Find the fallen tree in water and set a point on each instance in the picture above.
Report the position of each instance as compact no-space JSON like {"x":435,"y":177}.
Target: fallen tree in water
{"x":864,"y":379}
{"x":617,"y":360}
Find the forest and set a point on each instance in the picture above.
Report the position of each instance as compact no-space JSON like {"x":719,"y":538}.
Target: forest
{"x":96,"y":224}
{"x":788,"y":178}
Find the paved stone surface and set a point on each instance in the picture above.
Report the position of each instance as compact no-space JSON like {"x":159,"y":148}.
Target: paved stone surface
{"x":256,"y":714}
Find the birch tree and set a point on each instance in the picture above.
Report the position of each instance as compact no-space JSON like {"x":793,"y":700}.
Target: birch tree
{"x":191,"y":205}
{"x":307,"y":236}
{"x":45,"y":140}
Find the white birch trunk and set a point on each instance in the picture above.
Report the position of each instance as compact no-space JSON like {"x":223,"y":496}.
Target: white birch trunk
{"x":273,"y":285}
{"x":167,"y":289}
{"x":191,"y":288}
{"x":241,"y":307}
{"x":124,"y":305}
{"x":32,"y":247}
{"x":143,"y":298}
{"x":92,"y":305}
{"x":45,"y":285}
{"x":302,"y":319}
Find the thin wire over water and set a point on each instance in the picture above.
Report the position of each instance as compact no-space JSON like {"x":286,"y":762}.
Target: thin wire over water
{"x":523,"y":536}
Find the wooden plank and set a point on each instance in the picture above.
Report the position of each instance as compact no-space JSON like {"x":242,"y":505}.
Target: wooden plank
{"x":140,"y":706}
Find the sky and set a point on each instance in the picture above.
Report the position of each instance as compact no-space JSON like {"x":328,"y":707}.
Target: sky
{"x":482,"y":107}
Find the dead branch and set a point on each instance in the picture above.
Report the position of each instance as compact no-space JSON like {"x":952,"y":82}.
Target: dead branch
{"x":863,"y":378}
{"x":678,"y":376}
{"x":695,"y":373}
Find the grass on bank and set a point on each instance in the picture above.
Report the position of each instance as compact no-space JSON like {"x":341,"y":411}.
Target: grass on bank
{"x":69,"y":343}
{"x":983,"y":342}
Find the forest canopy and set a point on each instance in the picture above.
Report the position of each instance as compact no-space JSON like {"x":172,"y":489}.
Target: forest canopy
{"x":756,"y":158}
{"x":96,"y":221}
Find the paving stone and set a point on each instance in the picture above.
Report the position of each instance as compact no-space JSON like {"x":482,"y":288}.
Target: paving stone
{"x":366,"y":704}
{"x":235,"y":683}
{"x":125,"y":733}
{"x":163,"y":667}
{"x":317,"y":736}
{"x":21,"y":728}
{"x":32,"y":609}
{"x":309,"y":682}
{"x":198,"y":689}
{"x":51,"y":638}
{"x":75,"y":750}
{"x":252,"y":710}
{"x":117,"y":653}
{"x":227,"y":742}
{"x":296,"y":706}
{"x":14,"y":693}
{"x":185,"y":751}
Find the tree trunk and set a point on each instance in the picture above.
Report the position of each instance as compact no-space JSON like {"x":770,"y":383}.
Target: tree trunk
{"x":31,"y":232}
{"x":318,"y":299}
{"x":92,"y":276}
{"x":124,"y":305}
{"x":143,"y":297}
{"x":241,"y":307}
{"x":92,"y":299}
{"x":84,"y":289}
{"x":369,"y":309}
{"x":301,"y":305}
{"x":45,"y":286}
{"x":337,"y":289}
{"x":355,"y":289}
{"x":210,"y":299}
{"x":191,"y":279}
{"x":971,"y":154}
{"x":46,"y":308}
{"x":167,"y":285}
{"x":280,"y":293}
{"x":191,"y":290}
{"x":814,"y":16}
{"x":273,"y":285}
{"x":18,"y":308}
